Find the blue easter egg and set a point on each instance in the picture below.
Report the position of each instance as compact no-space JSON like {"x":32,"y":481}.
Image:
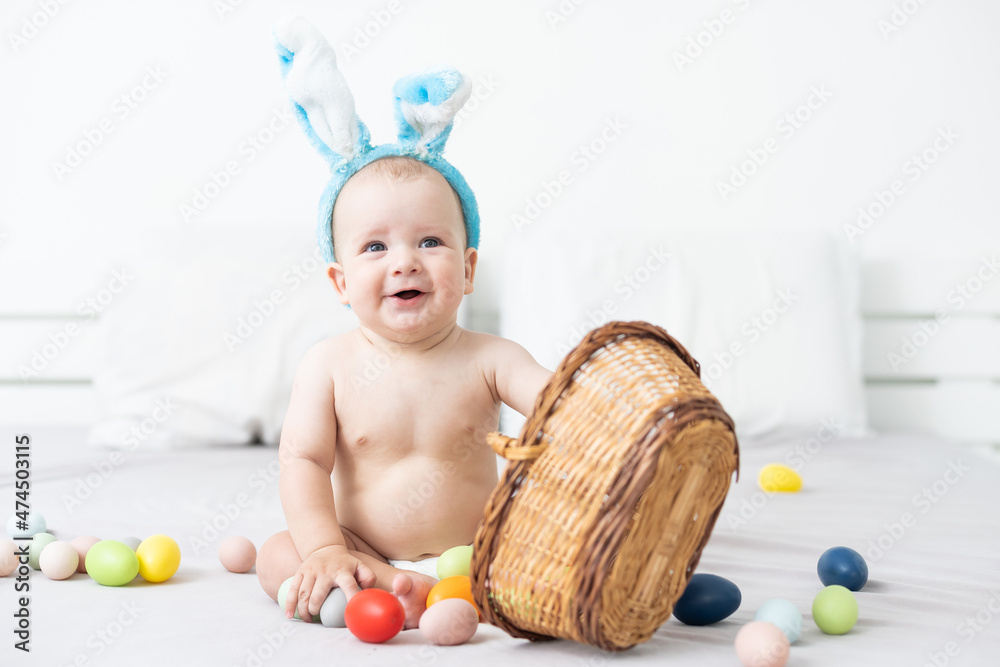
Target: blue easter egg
{"x":782,"y":613}
{"x":707,"y":599}
{"x":842,"y":566}
{"x":34,"y":525}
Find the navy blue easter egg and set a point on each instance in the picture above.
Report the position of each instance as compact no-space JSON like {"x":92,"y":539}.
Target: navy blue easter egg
{"x":707,"y":599}
{"x":842,"y":566}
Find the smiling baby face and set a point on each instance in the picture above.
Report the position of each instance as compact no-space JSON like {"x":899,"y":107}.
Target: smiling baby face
{"x":400,"y":240}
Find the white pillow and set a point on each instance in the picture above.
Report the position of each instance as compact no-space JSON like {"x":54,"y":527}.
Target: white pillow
{"x":202,"y":343}
{"x":772,"y":317}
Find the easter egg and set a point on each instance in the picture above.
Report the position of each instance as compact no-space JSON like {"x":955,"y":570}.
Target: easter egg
{"x":283,"y":595}
{"x":132,"y":541}
{"x":455,"y":561}
{"x":777,"y":477}
{"x":35,"y":525}
{"x":449,"y":622}
{"x":38,"y":544}
{"x":8,"y":559}
{"x":762,"y":644}
{"x":707,"y":599}
{"x":374,"y":615}
{"x":111,"y":563}
{"x":459,"y":586}
{"x":59,"y":560}
{"x":783,"y":614}
{"x":159,"y":557}
{"x":842,"y":566}
{"x":82,"y":545}
{"x":237,"y":554}
{"x":331,"y":614}
{"x":835,"y":610}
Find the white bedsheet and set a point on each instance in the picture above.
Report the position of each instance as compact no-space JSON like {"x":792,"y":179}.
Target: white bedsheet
{"x":929,"y":580}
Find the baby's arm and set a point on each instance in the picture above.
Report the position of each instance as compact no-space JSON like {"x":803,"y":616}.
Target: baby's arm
{"x":307,"y":454}
{"x":518,"y":377}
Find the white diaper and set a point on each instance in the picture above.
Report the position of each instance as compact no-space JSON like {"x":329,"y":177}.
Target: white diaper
{"x":426,"y":566}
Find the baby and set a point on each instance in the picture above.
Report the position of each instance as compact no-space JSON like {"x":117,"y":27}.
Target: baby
{"x":384,"y":461}
{"x":386,"y":466}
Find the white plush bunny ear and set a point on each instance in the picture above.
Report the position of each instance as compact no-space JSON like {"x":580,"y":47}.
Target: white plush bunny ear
{"x":426,"y":104}
{"x":321,"y":99}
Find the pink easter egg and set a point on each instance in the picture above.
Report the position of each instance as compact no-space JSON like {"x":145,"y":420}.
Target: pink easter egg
{"x":82,"y":545}
{"x":237,"y":554}
{"x":449,"y":622}
{"x":762,"y":644}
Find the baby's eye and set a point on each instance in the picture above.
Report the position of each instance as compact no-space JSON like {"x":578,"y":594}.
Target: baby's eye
{"x":430,"y":243}
{"x":375,"y":246}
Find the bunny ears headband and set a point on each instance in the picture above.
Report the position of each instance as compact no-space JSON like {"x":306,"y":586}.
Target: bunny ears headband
{"x":426,"y":104}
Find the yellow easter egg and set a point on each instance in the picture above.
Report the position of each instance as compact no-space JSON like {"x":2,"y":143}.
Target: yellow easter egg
{"x":777,"y":477}
{"x":159,"y":557}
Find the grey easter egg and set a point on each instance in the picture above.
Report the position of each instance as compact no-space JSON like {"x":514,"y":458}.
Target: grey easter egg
{"x":331,"y":614}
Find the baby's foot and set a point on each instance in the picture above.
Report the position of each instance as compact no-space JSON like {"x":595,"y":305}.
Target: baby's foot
{"x":412,"y":588}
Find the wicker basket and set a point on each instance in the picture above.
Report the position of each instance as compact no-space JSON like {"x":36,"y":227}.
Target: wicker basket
{"x":610,"y":495}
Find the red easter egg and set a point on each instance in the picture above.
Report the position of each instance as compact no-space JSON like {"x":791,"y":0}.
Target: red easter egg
{"x":374,"y":615}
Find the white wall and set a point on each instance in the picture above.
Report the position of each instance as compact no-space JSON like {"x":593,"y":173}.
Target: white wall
{"x":555,"y":88}
{"x":545,"y":88}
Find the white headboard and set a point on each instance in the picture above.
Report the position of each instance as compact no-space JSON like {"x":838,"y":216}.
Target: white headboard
{"x":932,"y":347}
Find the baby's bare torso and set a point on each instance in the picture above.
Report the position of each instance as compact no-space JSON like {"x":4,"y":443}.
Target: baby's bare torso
{"x":413,"y":470}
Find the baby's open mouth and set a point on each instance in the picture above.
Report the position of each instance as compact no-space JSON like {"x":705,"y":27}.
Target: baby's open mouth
{"x":408,"y":294}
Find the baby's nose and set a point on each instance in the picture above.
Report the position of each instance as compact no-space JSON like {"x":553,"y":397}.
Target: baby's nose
{"x":405,"y":261}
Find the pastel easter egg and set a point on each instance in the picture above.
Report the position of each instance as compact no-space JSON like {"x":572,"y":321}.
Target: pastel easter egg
{"x":112,"y":563}
{"x":707,"y":599}
{"x":331,"y":614}
{"x":237,"y":554}
{"x":8,"y":557}
{"x":59,"y":560}
{"x":834,"y":610}
{"x":38,"y":544}
{"x":159,"y":557}
{"x":132,"y":541}
{"x":454,"y":562}
{"x":762,"y":644}
{"x":776,"y":477}
{"x":34,"y":525}
{"x":450,"y":622}
{"x":283,"y":595}
{"x":842,"y":566}
{"x":783,"y":614}
{"x":82,"y":545}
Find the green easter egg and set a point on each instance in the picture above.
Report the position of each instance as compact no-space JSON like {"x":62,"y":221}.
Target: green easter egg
{"x":454,"y":562}
{"x":283,"y":593}
{"x":38,"y":542}
{"x":112,"y":563}
{"x":835,"y":610}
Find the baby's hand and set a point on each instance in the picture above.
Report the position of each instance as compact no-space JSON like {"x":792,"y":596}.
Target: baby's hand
{"x":325,"y":568}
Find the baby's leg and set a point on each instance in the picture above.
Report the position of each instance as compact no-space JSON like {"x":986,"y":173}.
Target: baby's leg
{"x":278,"y":560}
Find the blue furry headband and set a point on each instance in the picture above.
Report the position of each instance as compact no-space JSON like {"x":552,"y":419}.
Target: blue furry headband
{"x":426,"y":104}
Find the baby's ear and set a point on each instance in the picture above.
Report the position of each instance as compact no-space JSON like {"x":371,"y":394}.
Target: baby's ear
{"x":321,"y":100}
{"x":471,"y":259}
{"x":426,"y":104}
{"x":335,"y":272}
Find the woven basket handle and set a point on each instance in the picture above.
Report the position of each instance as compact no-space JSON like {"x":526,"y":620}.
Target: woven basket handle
{"x":511,"y":449}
